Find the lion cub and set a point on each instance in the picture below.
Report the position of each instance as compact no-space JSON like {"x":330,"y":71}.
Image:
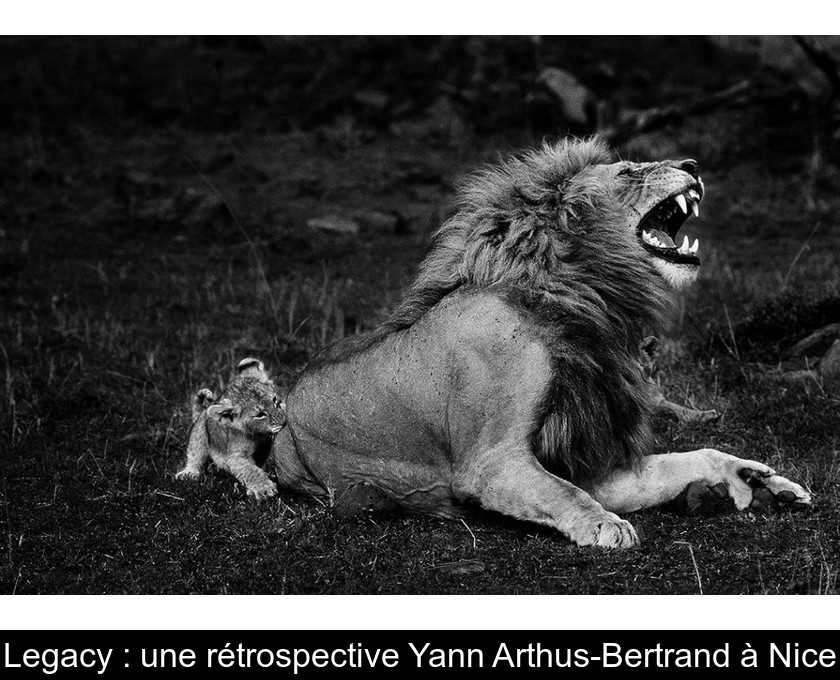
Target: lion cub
{"x":236,"y":430}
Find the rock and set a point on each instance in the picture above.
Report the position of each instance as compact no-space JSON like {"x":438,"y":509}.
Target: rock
{"x":334,"y":224}
{"x":377,"y":220}
{"x":440,"y":121}
{"x":198,"y":207}
{"x":830,"y":364}
{"x":575,"y":99}
{"x":186,"y":206}
{"x":781,"y":53}
{"x":817,"y":342}
{"x":373,"y":99}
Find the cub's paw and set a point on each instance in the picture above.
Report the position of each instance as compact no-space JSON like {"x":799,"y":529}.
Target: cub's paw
{"x":263,"y":490}
{"x":188,"y":474}
{"x":607,"y":530}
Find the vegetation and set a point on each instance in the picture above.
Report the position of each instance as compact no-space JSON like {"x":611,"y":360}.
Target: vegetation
{"x":155,"y":231}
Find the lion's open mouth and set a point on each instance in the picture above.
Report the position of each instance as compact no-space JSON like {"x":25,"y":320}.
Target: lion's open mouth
{"x":659,"y":228}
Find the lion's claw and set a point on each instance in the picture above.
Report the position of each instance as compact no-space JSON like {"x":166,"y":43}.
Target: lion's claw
{"x":747,"y":483}
{"x":771,"y":492}
{"x":787,"y":493}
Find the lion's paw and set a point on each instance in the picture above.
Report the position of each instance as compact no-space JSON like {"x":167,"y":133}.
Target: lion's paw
{"x":189,"y":474}
{"x":262,"y":491}
{"x":751,"y":484}
{"x":775,"y":492}
{"x":734,"y":475}
{"x":607,"y":531}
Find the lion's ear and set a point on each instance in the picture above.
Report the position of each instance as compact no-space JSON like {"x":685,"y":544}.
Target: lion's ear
{"x":223,"y":411}
{"x":252,"y":368}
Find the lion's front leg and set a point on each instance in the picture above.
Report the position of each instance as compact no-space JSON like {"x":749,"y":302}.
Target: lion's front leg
{"x":662,"y":478}
{"x":511,"y":481}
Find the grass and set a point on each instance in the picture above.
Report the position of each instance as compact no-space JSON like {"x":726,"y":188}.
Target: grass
{"x":145,"y":264}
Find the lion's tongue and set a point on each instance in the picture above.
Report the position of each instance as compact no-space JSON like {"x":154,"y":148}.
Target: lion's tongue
{"x":664,"y":239}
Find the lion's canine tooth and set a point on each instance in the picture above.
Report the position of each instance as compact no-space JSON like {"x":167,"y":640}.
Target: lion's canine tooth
{"x":685,"y":244}
{"x":695,"y":208}
{"x":695,"y":246}
{"x":680,"y":199}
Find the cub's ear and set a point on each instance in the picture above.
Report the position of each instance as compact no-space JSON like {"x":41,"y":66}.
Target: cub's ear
{"x":223,"y":411}
{"x":252,"y":368}
{"x":202,"y":399}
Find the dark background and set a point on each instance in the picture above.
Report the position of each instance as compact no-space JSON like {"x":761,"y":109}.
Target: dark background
{"x":172,"y":205}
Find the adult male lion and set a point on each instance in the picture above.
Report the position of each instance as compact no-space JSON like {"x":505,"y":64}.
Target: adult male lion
{"x":509,"y":377}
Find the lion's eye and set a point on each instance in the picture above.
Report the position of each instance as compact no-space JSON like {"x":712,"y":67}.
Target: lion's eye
{"x":261,"y":414}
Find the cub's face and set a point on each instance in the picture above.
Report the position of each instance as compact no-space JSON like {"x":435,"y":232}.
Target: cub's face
{"x":659,"y":198}
{"x":250,"y":405}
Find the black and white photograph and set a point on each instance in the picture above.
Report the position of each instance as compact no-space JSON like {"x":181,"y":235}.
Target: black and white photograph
{"x":420,"y":315}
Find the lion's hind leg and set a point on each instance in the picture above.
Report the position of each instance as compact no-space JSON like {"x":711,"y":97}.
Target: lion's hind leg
{"x":510,"y":480}
{"x":684,"y":414}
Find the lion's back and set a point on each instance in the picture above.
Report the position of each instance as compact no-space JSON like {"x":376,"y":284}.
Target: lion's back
{"x":411,"y":395}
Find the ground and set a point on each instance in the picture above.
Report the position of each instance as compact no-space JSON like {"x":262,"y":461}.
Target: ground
{"x":154,"y":231}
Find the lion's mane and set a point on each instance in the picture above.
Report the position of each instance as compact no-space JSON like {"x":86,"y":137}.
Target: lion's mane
{"x":547,"y":231}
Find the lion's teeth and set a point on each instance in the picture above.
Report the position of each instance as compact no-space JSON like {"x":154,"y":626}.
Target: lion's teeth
{"x":692,"y":194}
{"x":680,"y":199}
{"x":695,"y":246}
{"x":695,"y":208}
{"x":685,"y":244}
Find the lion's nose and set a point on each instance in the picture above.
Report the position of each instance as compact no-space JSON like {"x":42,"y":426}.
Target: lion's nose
{"x":690,"y":166}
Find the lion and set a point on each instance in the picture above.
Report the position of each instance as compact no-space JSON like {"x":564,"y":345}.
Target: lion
{"x":236,"y":430}
{"x":509,"y":377}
